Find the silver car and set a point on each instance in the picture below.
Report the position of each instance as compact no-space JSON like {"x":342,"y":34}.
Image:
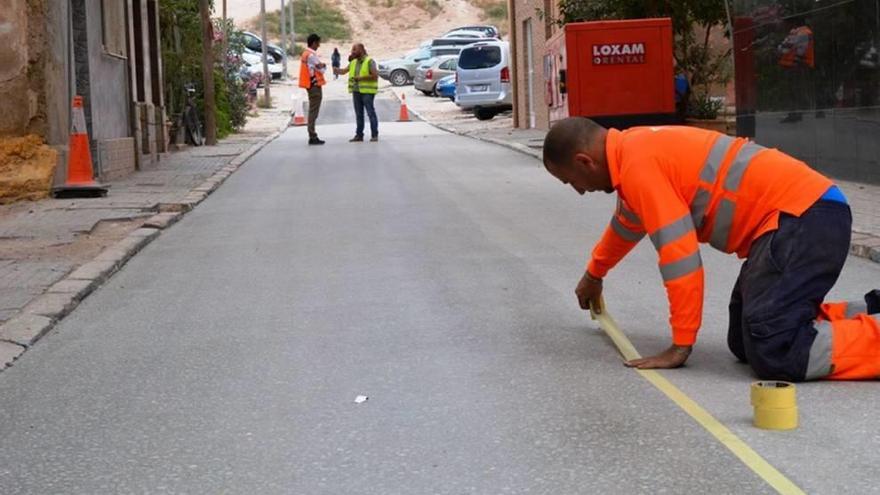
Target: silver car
{"x":484,"y":79}
{"x":400,"y":71}
{"x":432,"y":71}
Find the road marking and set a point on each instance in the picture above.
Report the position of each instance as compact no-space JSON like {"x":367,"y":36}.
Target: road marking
{"x":727,"y":438}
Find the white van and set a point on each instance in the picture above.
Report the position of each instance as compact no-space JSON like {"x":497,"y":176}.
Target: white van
{"x":483,"y":79}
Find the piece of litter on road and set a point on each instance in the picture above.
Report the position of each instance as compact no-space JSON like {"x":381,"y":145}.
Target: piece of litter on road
{"x":361,"y":399}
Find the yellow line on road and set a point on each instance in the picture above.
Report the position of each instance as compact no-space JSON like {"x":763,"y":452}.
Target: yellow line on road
{"x":727,"y":438}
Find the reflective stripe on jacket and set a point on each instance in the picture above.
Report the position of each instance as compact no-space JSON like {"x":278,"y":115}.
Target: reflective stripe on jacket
{"x":364,"y":86}
{"x":681,"y":186}
{"x":305,"y":76}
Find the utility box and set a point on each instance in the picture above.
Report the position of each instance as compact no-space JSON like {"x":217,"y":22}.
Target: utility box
{"x":618,"y":73}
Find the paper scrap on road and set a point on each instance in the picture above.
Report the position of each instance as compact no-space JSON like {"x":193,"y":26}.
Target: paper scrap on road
{"x":360,"y":399}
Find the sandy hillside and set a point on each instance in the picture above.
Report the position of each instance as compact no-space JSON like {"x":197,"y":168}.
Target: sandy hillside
{"x":386,"y":31}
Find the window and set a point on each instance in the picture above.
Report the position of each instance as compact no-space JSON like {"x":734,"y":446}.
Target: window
{"x":448,"y":65}
{"x":480,"y":57}
{"x":114,"y":27}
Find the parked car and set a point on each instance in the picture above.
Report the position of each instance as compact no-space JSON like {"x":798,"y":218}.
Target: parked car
{"x":464,"y":33}
{"x":454,"y":42}
{"x":254,"y":63}
{"x":432,"y":70}
{"x":446,"y":87}
{"x":254,"y":44}
{"x":445,"y":50}
{"x":401,"y":71}
{"x":484,"y":79}
{"x":490,"y":31}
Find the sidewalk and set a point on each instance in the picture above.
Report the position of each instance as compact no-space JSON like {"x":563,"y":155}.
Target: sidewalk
{"x":45,"y":244}
{"x":864,"y":199}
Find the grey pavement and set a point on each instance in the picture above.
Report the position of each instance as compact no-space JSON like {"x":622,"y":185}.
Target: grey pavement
{"x":41,"y":242}
{"x":226,"y":357}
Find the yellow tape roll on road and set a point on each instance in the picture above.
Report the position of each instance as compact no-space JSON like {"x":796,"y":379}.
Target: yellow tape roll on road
{"x":726,"y":437}
{"x":775,"y":405}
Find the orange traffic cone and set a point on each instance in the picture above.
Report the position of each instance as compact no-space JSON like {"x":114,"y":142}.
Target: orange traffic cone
{"x":404,"y":113}
{"x":80,"y":175}
{"x":299,"y":118}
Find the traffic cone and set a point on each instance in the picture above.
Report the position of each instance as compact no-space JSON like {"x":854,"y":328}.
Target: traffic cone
{"x":404,"y":113}
{"x":80,"y":181}
{"x":299,"y":118}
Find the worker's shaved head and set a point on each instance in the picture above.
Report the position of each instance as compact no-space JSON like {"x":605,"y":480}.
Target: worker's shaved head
{"x":570,"y":136}
{"x":574,"y":153}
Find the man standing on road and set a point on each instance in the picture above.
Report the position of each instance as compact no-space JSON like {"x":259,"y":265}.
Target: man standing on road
{"x":363,"y":84}
{"x":681,"y":186}
{"x":311,"y":78}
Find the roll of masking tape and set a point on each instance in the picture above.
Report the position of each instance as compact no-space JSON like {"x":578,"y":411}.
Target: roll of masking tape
{"x":775,"y":405}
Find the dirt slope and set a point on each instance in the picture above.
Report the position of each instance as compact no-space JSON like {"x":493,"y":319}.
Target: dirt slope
{"x":387,"y":27}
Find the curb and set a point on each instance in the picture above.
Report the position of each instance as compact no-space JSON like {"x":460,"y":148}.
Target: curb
{"x":863,"y":245}
{"x":42,"y":314}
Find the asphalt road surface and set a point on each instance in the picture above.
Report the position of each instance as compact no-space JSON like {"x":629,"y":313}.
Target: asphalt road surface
{"x":433,"y":274}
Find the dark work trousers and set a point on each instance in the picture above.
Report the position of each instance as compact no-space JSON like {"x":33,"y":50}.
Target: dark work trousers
{"x":365,"y":102}
{"x":782,"y":283}
{"x":316,"y":94}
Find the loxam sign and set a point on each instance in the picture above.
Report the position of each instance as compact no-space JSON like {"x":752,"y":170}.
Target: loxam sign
{"x":619,"y":53}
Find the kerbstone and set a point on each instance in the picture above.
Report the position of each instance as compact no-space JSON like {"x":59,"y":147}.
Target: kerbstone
{"x":9,"y":352}
{"x":162,"y":220}
{"x":94,"y":270}
{"x":78,"y":288}
{"x":55,"y":306}
{"x":25,"y":329}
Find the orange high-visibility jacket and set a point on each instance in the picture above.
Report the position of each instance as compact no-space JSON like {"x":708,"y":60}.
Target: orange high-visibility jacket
{"x":305,"y":76}
{"x":681,"y":186}
{"x":797,"y":47}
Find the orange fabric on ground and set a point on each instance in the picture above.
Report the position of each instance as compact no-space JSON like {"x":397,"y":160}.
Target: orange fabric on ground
{"x":856,"y":348}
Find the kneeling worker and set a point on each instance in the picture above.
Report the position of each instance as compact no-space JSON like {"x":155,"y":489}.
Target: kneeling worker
{"x":682,"y":186}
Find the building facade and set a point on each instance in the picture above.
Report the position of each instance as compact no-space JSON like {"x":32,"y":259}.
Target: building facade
{"x":532,"y":23}
{"x":106,"y":51}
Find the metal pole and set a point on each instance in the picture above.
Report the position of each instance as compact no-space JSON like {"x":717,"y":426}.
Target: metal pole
{"x":284,"y":38}
{"x":292,"y":31}
{"x":224,"y":12}
{"x":267,"y":78}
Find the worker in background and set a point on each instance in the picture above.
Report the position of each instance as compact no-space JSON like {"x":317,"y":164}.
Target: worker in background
{"x":336,"y":61}
{"x":363,"y":84}
{"x":797,"y":59}
{"x":311,"y":78}
{"x":681,"y":186}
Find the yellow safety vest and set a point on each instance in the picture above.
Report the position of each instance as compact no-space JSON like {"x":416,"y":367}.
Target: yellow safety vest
{"x":364,"y":86}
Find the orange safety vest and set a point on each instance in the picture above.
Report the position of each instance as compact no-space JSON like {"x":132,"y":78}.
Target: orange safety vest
{"x":305,"y":78}
{"x":798,"y":47}
{"x":682,"y":186}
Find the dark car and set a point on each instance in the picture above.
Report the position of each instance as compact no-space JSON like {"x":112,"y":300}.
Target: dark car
{"x":254,"y":43}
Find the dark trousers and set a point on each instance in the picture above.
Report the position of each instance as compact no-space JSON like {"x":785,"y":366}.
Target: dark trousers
{"x":782,"y":283}
{"x":362,"y":102}
{"x":316,"y":94}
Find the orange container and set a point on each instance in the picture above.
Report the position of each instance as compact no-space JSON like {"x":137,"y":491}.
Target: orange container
{"x":619,"y":73}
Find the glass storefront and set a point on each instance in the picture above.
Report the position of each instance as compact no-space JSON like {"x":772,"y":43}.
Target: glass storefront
{"x":808,"y":81}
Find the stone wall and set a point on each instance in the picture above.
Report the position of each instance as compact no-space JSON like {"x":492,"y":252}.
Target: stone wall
{"x":115,"y":158}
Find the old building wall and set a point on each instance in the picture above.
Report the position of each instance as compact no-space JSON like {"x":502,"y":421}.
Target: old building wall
{"x":532,"y":23}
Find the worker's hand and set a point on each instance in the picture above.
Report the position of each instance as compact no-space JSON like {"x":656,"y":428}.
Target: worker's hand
{"x":589,"y":291}
{"x":673,"y":357}
{"x":321,"y":65}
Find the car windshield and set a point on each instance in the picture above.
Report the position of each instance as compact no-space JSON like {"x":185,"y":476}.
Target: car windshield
{"x":427,"y":63}
{"x":479,"y":57}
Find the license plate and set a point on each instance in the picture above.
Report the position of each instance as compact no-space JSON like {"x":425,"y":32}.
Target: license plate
{"x":480,"y":88}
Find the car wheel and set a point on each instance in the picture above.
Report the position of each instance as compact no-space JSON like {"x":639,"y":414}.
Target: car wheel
{"x":399,"y":78}
{"x":452,"y":99}
{"x":484,"y":113}
{"x":434,"y":92}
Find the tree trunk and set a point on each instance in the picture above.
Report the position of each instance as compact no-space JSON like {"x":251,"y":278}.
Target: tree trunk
{"x":267,"y":78}
{"x":208,"y":72}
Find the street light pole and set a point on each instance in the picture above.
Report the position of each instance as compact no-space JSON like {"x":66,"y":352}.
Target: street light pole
{"x":292,"y":31}
{"x":266,"y":77}
{"x":284,"y":37}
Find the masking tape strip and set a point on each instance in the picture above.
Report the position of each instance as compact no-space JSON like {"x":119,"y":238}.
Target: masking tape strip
{"x":727,"y":438}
